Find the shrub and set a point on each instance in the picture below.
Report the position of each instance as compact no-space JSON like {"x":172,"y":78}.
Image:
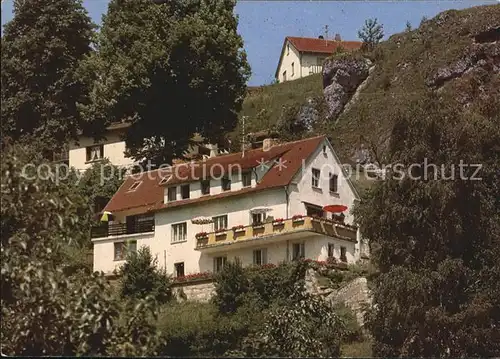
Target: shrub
{"x":141,"y":277}
{"x":230,"y":285}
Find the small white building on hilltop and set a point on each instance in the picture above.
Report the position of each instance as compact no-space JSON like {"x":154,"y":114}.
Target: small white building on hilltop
{"x":262,"y":206}
{"x":304,"y":56}
{"x":86,"y":151}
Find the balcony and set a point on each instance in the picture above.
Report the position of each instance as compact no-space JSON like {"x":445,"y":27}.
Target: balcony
{"x":120,"y":229}
{"x":291,"y":228}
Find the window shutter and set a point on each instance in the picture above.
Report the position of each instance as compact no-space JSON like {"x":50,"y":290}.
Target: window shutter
{"x":302,"y":250}
{"x":254,"y":257}
{"x":264,"y":256}
{"x":215,"y":265}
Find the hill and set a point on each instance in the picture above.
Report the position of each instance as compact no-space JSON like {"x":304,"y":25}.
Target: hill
{"x":455,"y":57}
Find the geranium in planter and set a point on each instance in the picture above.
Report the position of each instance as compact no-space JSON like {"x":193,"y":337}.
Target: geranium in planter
{"x":220,"y":231}
{"x":278,"y":222}
{"x":239,"y":228}
{"x":298,"y":218}
{"x":201,"y":235}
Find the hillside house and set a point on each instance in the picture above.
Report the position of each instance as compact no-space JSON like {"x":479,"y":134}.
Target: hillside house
{"x":86,"y":151}
{"x":262,"y":205}
{"x":304,"y":56}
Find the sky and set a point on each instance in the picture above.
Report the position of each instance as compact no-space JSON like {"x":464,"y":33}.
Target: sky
{"x":264,"y":24}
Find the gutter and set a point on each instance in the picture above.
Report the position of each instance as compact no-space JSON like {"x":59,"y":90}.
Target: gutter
{"x":287,"y":196}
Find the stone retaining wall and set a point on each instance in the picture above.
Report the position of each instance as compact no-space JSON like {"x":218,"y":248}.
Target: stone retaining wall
{"x":200,"y":291}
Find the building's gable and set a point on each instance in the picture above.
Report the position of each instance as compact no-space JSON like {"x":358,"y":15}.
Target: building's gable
{"x":289,"y":53}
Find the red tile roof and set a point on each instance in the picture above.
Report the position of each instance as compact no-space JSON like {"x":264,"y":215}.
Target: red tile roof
{"x":150,"y":193}
{"x":308,"y":44}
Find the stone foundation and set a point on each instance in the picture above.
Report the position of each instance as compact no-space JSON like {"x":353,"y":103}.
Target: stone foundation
{"x":200,"y":291}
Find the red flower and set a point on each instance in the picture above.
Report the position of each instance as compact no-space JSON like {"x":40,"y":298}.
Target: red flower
{"x":239,"y":226}
{"x":297,"y":216}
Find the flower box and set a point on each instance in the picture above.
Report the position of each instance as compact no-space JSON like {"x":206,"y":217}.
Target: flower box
{"x":200,"y":242}
{"x":193,"y":277}
{"x":221,"y":232}
{"x":201,"y":235}
{"x":297,"y":218}
{"x":238,"y":229}
{"x":257,"y":225}
{"x":278,"y":222}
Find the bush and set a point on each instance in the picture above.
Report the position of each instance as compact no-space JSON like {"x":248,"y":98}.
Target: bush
{"x":141,"y":277}
{"x":197,"y":329}
{"x":231,"y":284}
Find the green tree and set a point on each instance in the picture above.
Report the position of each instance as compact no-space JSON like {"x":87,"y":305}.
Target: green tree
{"x":371,"y":33}
{"x":408,"y":27}
{"x":45,"y":312}
{"x":231,"y":284}
{"x":436,"y":239}
{"x":41,"y":50}
{"x":171,"y":68}
{"x":141,"y":277}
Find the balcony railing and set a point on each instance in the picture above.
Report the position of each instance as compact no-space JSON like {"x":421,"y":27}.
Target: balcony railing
{"x":239,"y":234}
{"x":122,"y":228}
{"x":315,"y":69}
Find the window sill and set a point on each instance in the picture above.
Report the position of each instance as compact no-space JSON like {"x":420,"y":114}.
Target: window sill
{"x":119,"y":260}
{"x":334,"y":194}
{"x":317,"y":189}
{"x":177,"y":242}
{"x":94,"y":161}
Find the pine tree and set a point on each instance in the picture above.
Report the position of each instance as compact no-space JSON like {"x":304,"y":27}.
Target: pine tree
{"x":435,"y":236}
{"x":371,"y":33}
{"x":172,"y":69}
{"x":41,"y":50}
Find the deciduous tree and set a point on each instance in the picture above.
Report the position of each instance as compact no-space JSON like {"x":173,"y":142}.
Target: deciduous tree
{"x":41,"y":50}
{"x":171,"y":68}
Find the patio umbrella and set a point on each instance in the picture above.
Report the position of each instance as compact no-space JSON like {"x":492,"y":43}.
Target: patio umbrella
{"x":107,"y":216}
{"x":335,"y":208}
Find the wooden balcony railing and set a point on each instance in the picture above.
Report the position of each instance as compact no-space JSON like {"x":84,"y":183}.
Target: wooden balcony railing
{"x":122,"y":228}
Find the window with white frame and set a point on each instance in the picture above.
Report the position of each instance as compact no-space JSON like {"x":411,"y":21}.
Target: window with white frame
{"x":246,"y":179}
{"x":185,"y":191}
{"x":95,"y":153}
{"x":334,"y":183}
{"x":258,"y":218}
{"x":316,"y":173}
{"x":122,"y":249}
{"x":293,"y":68}
{"x":331,"y":250}
{"x":219,"y":263}
{"x":287,"y":49}
{"x":226,"y":183}
{"x":220,"y":222}
{"x":205,"y":187}
{"x":179,"y":269}
{"x":298,"y":250}
{"x":172,"y":194}
{"x":179,"y":232}
{"x":260,"y":256}
{"x":343,"y":254}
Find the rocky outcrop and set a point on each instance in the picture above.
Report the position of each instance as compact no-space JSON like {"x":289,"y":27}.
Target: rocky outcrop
{"x":341,"y":77}
{"x":198,"y":291}
{"x":354,"y":294}
{"x":483,"y":54}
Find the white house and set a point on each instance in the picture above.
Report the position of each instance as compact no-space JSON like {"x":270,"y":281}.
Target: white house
{"x":86,"y":151}
{"x":304,"y":56}
{"x":263,"y":206}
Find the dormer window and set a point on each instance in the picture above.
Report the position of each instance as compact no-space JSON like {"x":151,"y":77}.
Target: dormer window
{"x":95,"y":153}
{"x":226,"y":183}
{"x":185,"y":191}
{"x":172,"y":194}
{"x":135,"y":185}
{"x":246,"y":179}
{"x":205,"y":187}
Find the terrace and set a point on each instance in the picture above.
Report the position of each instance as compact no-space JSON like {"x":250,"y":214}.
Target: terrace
{"x":120,"y":229}
{"x":279,"y":229}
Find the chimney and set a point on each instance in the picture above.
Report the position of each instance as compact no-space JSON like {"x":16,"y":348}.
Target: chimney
{"x":337,"y":37}
{"x":268,"y":143}
{"x":320,"y":37}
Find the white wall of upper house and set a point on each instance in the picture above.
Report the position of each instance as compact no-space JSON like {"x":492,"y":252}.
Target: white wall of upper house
{"x":298,"y":64}
{"x":113,"y":149}
{"x":290,"y":63}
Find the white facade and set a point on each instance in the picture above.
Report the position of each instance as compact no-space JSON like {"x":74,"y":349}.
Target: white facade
{"x":295,"y":64}
{"x":282,"y":202}
{"x":86,"y":152}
